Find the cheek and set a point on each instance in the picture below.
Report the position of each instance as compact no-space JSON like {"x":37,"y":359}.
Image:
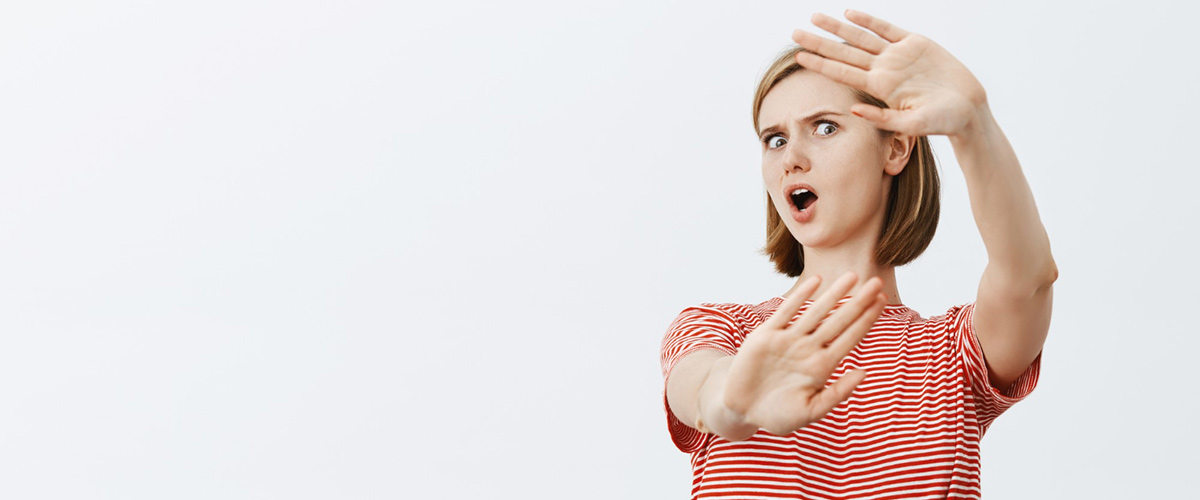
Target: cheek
{"x":769,"y":176}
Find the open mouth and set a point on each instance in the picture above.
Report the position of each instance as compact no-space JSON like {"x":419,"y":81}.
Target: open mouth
{"x":802,"y":198}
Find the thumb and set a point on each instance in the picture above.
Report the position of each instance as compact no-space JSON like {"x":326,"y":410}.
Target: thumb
{"x":840,"y":390}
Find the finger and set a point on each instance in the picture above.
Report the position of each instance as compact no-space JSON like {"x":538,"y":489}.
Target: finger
{"x":888,"y":119}
{"x":857,"y":37}
{"x":848,"y":312}
{"x":879,"y":26}
{"x":840,"y":346}
{"x":791,"y":305}
{"x":833,"y":50}
{"x":834,"y":70}
{"x":825,"y":401}
{"x":820,"y":308}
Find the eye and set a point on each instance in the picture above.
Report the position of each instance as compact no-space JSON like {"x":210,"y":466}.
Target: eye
{"x":775,"y":141}
{"x":825,"y":128}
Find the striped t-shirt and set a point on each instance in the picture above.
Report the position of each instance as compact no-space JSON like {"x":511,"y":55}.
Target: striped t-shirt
{"x":910,"y":430}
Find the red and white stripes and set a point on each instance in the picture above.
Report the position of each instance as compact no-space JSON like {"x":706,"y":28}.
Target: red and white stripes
{"x":910,"y":430}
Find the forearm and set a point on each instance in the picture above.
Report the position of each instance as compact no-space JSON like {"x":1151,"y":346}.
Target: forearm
{"x":716,"y":416}
{"x":695,"y":393}
{"x":1017,"y":245}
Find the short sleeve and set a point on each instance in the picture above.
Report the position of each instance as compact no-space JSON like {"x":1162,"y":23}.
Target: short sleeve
{"x":700,"y":327}
{"x":989,"y":401}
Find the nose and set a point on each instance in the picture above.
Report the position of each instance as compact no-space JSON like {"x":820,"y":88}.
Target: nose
{"x":795,"y":159}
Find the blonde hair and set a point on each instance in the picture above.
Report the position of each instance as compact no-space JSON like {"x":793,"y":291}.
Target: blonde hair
{"x":912,"y":207}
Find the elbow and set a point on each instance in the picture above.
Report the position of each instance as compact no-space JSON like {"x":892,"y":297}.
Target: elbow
{"x":1050,"y":275}
{"x":1039,"y":274}
{"x":1038,"y":283}
{"x":1020,"y":282}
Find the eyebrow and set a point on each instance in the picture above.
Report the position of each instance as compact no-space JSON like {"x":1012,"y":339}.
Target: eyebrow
{"x":779,"y":127}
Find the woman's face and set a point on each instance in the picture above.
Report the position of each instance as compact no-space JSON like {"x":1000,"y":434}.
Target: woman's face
{"x":811,"y":141}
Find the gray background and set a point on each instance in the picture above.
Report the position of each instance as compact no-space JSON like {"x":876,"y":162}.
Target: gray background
{"x":368,"y":249}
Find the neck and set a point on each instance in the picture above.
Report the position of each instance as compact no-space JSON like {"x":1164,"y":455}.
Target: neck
{"x":831,"y":265}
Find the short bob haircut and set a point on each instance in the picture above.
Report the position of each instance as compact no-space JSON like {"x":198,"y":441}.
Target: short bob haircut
{"x":912,"y":206}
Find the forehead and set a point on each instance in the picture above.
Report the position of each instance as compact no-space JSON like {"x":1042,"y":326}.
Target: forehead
{"x":801,"y":94}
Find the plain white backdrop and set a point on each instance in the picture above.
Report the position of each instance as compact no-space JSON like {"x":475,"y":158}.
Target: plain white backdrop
{"x":369,"y":249}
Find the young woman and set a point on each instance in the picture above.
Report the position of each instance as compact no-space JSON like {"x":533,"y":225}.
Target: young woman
{"x":854,"y":395}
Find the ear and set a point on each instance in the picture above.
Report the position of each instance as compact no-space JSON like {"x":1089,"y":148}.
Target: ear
{"x":897,"y":148}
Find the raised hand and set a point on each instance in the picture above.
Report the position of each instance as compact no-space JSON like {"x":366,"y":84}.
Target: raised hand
{"x":928,"y":91}
{"x":777,"y":379}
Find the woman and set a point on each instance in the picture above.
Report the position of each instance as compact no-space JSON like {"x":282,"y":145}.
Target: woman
{"x":853,"y":394}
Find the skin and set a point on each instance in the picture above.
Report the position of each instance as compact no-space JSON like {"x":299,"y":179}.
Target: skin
{"x":776,"y":379}
{"x":847,"y":163}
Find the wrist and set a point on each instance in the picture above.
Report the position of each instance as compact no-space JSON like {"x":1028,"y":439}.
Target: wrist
{"x":979,"y":126}
{"x":714,"y":415}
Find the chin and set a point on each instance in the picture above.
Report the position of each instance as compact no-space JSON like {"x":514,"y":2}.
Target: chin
{"x":810,"y":237}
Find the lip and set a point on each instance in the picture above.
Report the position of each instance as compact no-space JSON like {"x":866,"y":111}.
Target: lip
{"x":797,"y":214}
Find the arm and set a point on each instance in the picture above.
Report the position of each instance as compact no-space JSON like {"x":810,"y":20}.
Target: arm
{"x":693,"y":388}
{"x":929,"y":92}
{"x":1012,"y":309}
{"x":777,"y":379}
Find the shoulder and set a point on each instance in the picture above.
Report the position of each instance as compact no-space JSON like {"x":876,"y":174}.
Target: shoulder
{"x":955,"y":318}
{"x":722,"y":326}
{"x":938,"y":328}
{"x":736,"y":314}
{"x":952,"y":316}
